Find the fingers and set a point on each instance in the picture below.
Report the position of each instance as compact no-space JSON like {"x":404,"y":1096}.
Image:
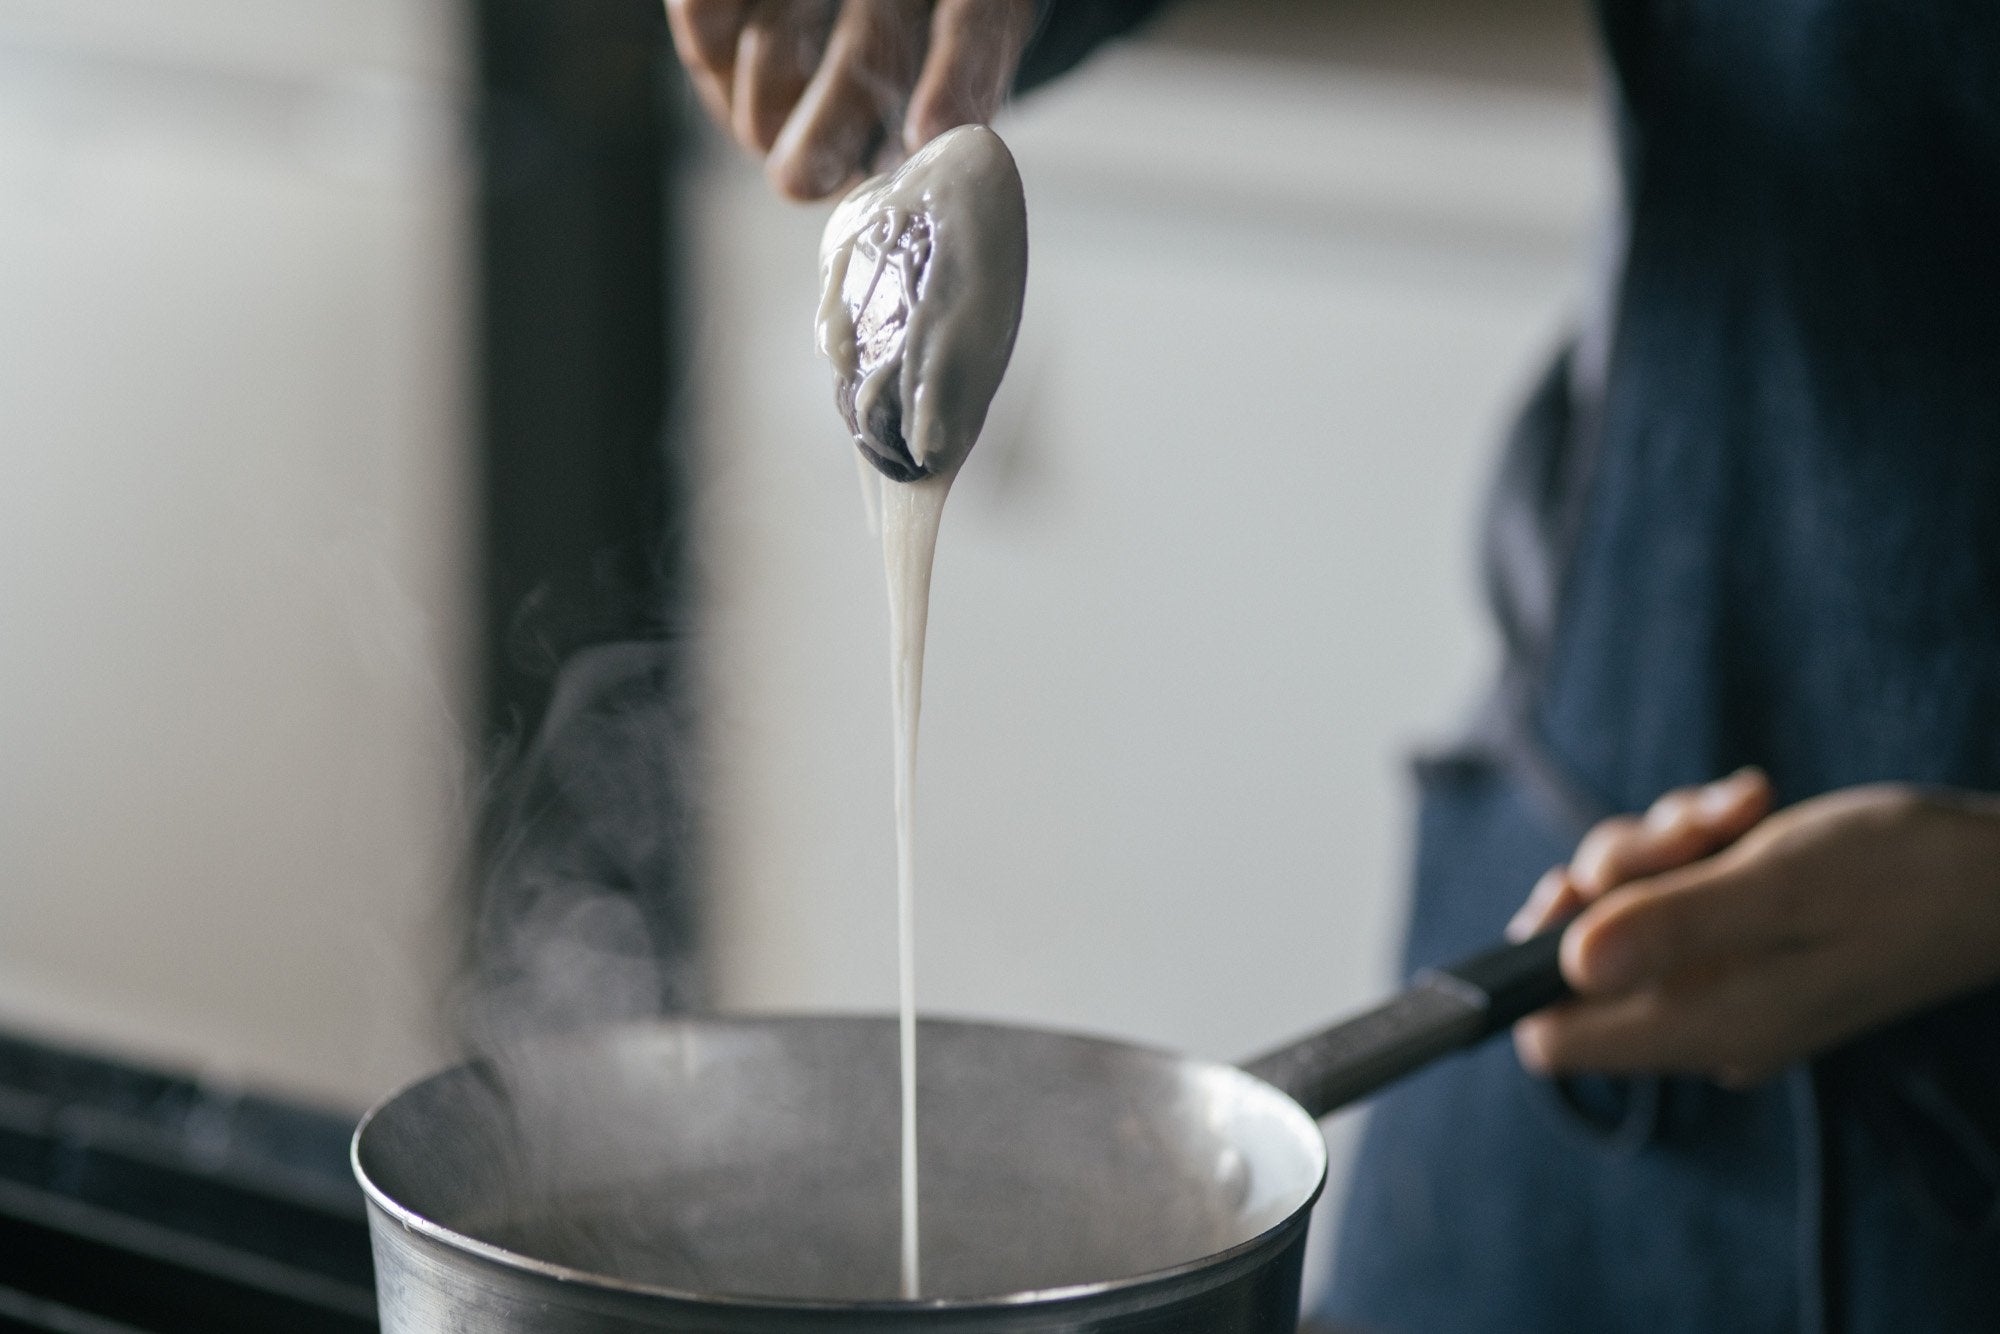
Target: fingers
{"x":1638,"y":1032}
{"x":776,"y":54}
{"x":818,"y":86}
{"x":705,"y":35}
{"x":859,"y":91}
{"x":975,"y":48}
{"x":705,"y":32}
{"x":814,"y":85}
{"x":1554,"y":898}
{"x":1734,"y":1027}
{"x":1683,"y":825}
{"x":1694,"y":918}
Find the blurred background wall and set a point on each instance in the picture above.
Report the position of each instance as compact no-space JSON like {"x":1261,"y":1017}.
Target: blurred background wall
{"x":312,"y":397}
{"x":233,"y":529}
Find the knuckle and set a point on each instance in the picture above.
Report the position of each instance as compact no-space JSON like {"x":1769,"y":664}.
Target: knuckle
{"x":1671,"y":808}
{"x":1606,"y":835}
{"x":1535,"y":1043}
{"x":1602,"y":847}
{"x":1613,"y":828}
{"x":794,"y":178}
{"x":1886,"y":806}
{"x":1657,"y":930}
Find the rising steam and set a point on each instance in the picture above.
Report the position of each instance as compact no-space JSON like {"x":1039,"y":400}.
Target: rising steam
{"x":586,"y":913}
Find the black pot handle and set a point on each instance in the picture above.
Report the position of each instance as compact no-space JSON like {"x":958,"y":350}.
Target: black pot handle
{"x":1516,"y":980}
{"x":1442,"y":1011}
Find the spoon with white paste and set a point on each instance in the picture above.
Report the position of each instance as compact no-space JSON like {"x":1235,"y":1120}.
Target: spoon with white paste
{"x":921,"y":276}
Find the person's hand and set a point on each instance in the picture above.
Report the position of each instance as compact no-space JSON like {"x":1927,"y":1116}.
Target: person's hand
{"x":1716,"y":939}
{"x":825,"y":89}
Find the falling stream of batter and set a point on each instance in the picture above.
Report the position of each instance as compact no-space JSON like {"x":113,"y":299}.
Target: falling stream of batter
{"x":921,"y":276}
{"x":910,"y":512}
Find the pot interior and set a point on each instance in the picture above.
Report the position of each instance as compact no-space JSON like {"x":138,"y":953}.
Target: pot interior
{"x":759,"y":1157}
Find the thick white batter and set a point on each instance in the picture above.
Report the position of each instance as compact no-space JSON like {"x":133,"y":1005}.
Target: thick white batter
{"x":921,"y":278}
{"x":921,"y":274}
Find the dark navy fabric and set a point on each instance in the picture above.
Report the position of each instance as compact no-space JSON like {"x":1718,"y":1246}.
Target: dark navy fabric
{"x":1765,"y":530}
{"x":1754,"y":517}
{"x":1793,"y":524}
{"x":1068,"y":30}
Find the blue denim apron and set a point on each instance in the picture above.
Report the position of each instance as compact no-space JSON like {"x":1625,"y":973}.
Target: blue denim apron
{"x":1752,"y":517}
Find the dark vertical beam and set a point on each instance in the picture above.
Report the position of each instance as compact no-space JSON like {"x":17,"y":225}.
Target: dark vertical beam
{"x":581,"y":909}
{"x":578,"y":144}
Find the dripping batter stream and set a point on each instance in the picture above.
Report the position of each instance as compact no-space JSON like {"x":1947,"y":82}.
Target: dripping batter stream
{"x":921,"y":279}
{"x":910,"y":514}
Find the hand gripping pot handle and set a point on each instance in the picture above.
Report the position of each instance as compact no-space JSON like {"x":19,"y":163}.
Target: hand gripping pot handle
{"x":1443,"y":1010}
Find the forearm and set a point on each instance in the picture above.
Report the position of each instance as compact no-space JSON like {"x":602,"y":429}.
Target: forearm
{"x":1926,"y":1084}
{"x":1950,"y":842}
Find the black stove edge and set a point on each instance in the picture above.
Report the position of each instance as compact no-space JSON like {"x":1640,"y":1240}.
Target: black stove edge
{"x":220,"y":1130}
{"x":22,"y":1314}
{"x":137,"y":1201}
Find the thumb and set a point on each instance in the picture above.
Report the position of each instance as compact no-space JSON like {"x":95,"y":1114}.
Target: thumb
{"x":1689,"y":919}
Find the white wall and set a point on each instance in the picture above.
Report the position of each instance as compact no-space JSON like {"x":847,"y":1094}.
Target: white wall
{"x":1204,"y":584}
{"x":232,"y":566}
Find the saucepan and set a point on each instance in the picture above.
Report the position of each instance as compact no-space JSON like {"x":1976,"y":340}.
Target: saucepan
{"x":714,"y":1174}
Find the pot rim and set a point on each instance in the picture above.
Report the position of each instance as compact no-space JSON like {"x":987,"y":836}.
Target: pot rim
{"x":1218,"y":1261}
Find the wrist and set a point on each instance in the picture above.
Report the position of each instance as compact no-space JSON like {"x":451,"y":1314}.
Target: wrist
{"x":1957,"y":847}
{"x":1965,"y":827}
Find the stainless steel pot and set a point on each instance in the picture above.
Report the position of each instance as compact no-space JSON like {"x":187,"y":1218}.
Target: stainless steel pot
{"x":717,"y":1174}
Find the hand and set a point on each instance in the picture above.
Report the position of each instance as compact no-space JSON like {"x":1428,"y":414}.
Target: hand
{"x":1715,"y":939}
{"x":822,"y":88}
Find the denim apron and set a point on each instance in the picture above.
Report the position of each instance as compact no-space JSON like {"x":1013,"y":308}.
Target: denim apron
{"x":1752,"y":516}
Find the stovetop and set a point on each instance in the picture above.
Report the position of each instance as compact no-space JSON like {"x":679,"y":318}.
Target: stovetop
{"x":133,"y":1201}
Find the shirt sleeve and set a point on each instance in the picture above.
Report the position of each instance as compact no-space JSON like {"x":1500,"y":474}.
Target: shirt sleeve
{"x":1068,"y":30}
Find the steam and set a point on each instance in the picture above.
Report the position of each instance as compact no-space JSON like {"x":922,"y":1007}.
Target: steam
{"x":586,"y":912}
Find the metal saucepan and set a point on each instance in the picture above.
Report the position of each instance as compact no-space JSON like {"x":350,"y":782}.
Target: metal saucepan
{"x":718,"y":1175}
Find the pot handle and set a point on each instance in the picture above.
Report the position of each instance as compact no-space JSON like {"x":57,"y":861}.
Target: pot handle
{"x":1441,"y":1011}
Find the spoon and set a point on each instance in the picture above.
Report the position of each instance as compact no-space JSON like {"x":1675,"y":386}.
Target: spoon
{"x":922,"y":273}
